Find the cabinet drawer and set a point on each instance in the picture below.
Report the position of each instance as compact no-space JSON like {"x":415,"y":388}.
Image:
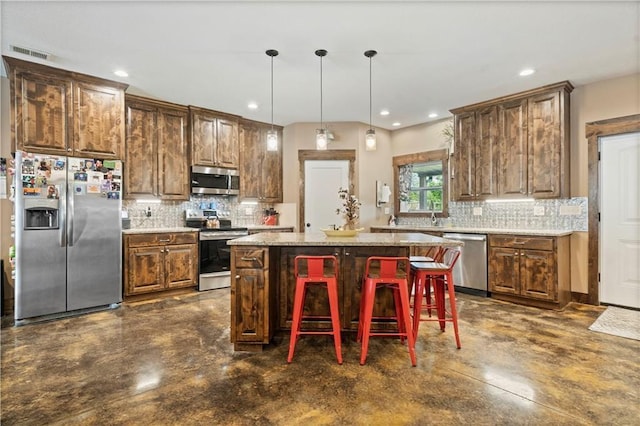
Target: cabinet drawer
{"x":519,"y":241}
{"x":144,"y":240}
{"x":249,"y":258}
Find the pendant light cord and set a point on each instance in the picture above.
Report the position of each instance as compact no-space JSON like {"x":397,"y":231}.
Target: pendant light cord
{"x":370,"y":127}
{"x":271,"y":93}
{"x":321,"y":93}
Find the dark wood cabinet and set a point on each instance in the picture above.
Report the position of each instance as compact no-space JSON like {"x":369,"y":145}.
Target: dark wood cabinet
{"x":530,"y":270}
{"x":59,"y":112}
{"x":475,"y":154}
{"x":214,"y":138}
{"x":260,"y":170}
{"x":513,"y":147}
{"x":160,"y":261}
{"x":251,"y":323}
{"x":157,"y":154}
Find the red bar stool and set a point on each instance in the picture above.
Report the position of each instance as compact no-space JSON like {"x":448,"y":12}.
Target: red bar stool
{"x":438,"y":274}
{"x":392,"y":272}
{"x":432,"y":254}
{"x":315,"y":276}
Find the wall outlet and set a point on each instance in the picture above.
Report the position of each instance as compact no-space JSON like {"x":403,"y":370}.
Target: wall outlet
{"x":248,"y":211}
{"x":538,"y":210}
{"x":386,"y":210}
{"x":570,"y":210}
{"x":477,"y":211}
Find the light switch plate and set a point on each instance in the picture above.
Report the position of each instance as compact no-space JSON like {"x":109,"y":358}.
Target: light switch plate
{"x":538,"y":210}
{"x":386,"y":210}
{"x":477,"y":211}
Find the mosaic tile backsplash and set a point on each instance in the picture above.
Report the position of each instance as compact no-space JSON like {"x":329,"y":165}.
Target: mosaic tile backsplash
{"x":557,"y":214}
{"x":171,"y":214}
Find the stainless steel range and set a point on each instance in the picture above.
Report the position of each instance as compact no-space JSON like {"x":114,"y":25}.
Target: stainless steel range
{"x":215,"y":254}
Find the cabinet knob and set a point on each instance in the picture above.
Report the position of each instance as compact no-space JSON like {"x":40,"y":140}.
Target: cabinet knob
{"x":68,"y":149}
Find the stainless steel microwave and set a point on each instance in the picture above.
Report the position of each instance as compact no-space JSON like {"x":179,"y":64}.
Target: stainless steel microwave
{"x":214,"y":180}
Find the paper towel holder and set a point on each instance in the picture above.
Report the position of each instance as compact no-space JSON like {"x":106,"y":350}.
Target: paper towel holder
{"x":383,"y":193}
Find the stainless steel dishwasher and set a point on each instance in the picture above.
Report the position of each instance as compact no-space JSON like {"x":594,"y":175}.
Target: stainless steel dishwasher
{"x":470,"y":272}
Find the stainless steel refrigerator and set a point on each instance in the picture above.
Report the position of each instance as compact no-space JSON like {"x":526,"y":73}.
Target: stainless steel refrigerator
{"x":68,"y":235}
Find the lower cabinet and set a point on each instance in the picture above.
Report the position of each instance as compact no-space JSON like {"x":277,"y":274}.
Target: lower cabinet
{"x":251,"y":326}
{"x":158,"y":262}
{"x":530,"y":270}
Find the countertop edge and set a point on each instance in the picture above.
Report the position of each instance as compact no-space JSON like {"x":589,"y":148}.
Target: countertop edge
{"x":460,"y":230}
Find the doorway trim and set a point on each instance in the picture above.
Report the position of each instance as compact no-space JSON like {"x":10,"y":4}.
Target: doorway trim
{"x":593,"y":132}
{"x":328,"y":155}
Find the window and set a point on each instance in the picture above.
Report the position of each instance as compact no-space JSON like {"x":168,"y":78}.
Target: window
{"x":421,"y":183}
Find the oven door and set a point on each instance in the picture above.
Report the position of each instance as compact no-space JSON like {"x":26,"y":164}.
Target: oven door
{"x":215,"y":264}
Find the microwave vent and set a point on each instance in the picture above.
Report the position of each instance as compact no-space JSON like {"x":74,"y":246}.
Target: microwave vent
{"x":31,"y":52}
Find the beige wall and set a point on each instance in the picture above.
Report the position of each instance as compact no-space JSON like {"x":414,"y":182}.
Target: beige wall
{"x":370,"y":165}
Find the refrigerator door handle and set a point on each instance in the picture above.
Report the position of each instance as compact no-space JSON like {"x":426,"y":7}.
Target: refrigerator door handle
{"x":62,"y":232}
{"x":71,"y":199}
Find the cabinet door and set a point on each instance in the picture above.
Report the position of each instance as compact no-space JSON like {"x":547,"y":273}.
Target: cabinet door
{"x":141,"y":166}
{"x":248,"y":315}
{"x":144,"y":270}
{"x":486,"y":152}
{"x":181,"y":265}
{"x":512,"y":167}
{"x":173,"y":160}
{"x":250,"y":162}
{"x":352,"y":269}
{"x":504,"y":270}
{"x":204,"y":138}
{"x":464,"y":168}
{"x":42,"y":108}
{"x":538,"y":274}
{"x":98,"y":127}
{"x":544,"y":145}
{"x":271,"y":171}
{"x":227,"y":143}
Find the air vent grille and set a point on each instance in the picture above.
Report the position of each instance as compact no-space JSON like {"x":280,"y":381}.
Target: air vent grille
{"x":31,"y":52}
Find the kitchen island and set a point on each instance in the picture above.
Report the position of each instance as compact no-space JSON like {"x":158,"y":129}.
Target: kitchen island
{"x":263,"y":281}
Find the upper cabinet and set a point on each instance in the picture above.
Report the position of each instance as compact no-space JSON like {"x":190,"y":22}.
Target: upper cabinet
{"x":60,"y":112}
{"x":214,"y":138}
{"x":157,"y":150}
{"x":513,"y":147}
{"x":260,"y":170}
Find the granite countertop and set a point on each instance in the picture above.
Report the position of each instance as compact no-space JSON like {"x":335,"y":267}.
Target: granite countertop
{"x":362,"y":239}
{"x":158,"y":230}
{"x":451,"y":229}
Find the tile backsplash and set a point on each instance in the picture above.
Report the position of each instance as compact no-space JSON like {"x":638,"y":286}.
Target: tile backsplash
{"x":171,"y":214}
{"x":556,"y":214}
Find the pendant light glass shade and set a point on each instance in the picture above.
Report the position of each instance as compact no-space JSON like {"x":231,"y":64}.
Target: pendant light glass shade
{"x":370,"y":137}
{"x":272,"y":135}
{"x":321,"y":133}
{"x":321,"y":139}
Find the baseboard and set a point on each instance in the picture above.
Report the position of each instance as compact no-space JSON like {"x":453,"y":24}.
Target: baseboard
{"x":580,"y":297}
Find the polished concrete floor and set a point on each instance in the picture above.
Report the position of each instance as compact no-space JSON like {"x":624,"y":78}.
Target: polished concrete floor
{"x":169,"y":362}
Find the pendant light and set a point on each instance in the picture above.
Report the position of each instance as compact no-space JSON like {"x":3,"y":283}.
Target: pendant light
{"x":370,"y":136}
{"x":272,"y":135}
{"x":321,"y":133}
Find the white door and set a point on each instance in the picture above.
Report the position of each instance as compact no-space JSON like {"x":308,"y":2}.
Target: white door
{"x":620,"y":220}
{"x":322,"y":181}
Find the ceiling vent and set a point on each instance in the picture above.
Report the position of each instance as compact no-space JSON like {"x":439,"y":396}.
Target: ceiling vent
{"x":31,"y":52}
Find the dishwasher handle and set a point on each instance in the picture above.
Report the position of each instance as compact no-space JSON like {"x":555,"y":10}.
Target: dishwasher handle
{"x":465,"y":237}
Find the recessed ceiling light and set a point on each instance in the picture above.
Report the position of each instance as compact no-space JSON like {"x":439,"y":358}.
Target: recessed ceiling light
{"x":384,"y":112}
{"x":121,"y":73}
{"x":396,"y":123}
{"x":252,"y":105}
{"x":527,"y":71}
{"x":433,"y":115}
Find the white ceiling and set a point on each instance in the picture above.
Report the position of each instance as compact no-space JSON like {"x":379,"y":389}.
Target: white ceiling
{"x":432,"y":56}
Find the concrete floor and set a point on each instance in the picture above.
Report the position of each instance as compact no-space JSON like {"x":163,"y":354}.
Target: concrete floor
{"x":170,"y":362}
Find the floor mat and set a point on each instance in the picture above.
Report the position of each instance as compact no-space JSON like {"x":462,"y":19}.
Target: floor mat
{"x":619,"y":322}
